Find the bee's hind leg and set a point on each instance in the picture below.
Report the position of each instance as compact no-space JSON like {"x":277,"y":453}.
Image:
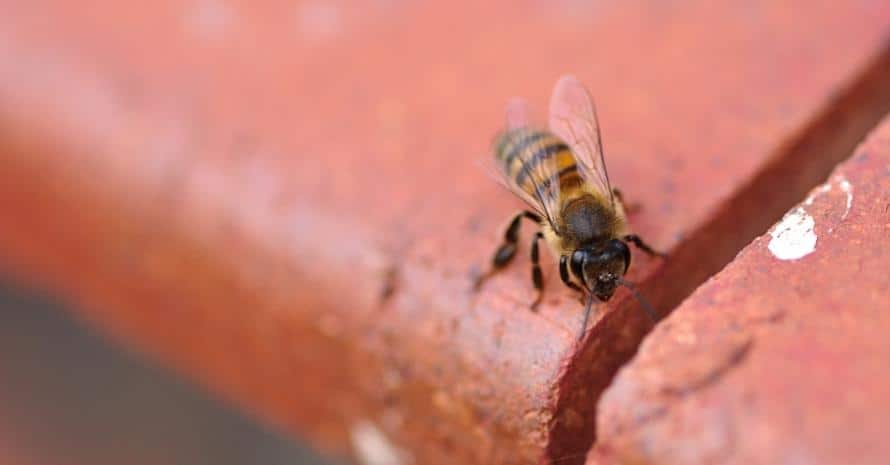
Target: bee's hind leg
{"x":507,"y":250}
{"x":537,"y":276}
{"x":643,"y":246}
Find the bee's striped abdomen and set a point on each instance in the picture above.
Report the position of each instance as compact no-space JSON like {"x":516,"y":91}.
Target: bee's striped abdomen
{"x":531,"y":158}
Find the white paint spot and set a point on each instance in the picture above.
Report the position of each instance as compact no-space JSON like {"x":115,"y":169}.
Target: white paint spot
{"x":794,"y":237}
{"x":372,"y":447}
{"x":847,"y":189}
{"x":823,"y":189}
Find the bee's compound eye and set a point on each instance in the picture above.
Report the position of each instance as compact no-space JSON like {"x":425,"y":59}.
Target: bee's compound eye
{"x":618,"y":249}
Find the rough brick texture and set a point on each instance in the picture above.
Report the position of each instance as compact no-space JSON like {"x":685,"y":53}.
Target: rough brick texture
{"x":781,"y":357}
{"x":283,"y":201}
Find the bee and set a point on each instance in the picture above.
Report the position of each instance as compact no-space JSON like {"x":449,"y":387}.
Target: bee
{"x":561,"y":175}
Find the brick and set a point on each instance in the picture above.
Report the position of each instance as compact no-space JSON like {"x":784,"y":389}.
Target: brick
{"x":282,"y":202}
{"x":782,"y":356}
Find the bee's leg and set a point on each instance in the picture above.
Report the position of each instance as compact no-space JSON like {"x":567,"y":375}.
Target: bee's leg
{"x":628,"y":208}
{"x":504,"y":254}
{"x":566,"y":279}
{"x":642,"y":245}
{"x":537,"y":277}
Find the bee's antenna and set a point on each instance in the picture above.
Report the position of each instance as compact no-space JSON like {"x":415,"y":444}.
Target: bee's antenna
{"x":587,"y":309}
{"x":647,"y":307}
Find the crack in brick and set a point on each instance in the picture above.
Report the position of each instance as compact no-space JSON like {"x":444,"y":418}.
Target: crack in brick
{"x":389,"y":283}
{"x":735,"y":358}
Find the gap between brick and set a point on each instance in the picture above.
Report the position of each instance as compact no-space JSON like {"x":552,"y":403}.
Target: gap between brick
{"x":796,"y":167}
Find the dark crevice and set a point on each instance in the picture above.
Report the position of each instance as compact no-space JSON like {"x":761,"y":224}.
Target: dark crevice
{"x":389,"y":283}
{"x":797,"y":166}
{"x":735,"y":358}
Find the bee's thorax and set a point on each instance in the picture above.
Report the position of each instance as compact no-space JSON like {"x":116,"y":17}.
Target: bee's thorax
{"x":586,"y":221}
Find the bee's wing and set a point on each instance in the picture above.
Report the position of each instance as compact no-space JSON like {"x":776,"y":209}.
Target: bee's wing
{"x":544,"y":201}
{"x":494,"y":171}
{"x":573,"y":118}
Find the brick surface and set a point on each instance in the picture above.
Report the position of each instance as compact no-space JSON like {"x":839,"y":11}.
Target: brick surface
{"x":282,"y":201}
{"x":782,"y":356}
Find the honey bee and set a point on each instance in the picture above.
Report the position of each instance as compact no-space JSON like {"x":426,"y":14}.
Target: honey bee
{"x":561,"y":175}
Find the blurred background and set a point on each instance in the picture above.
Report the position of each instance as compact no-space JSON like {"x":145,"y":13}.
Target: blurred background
{"x":197,"y":108}
{"x":69,"y":396}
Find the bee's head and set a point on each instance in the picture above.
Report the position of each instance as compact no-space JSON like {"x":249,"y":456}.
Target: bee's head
{"x":601,"y":268}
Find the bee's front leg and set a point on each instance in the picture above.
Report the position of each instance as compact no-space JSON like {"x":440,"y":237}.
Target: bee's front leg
{"x":566,"y":279}
{"x":633,"y":238}
{"x":629,"y":209}
{"x":507,"y":250}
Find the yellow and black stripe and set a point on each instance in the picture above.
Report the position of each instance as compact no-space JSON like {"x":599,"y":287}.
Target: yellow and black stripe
{"x":529,"y":157}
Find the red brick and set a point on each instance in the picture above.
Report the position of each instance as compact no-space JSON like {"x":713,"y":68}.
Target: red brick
{"x":283,"y":203}
{"x":782,"y":356}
